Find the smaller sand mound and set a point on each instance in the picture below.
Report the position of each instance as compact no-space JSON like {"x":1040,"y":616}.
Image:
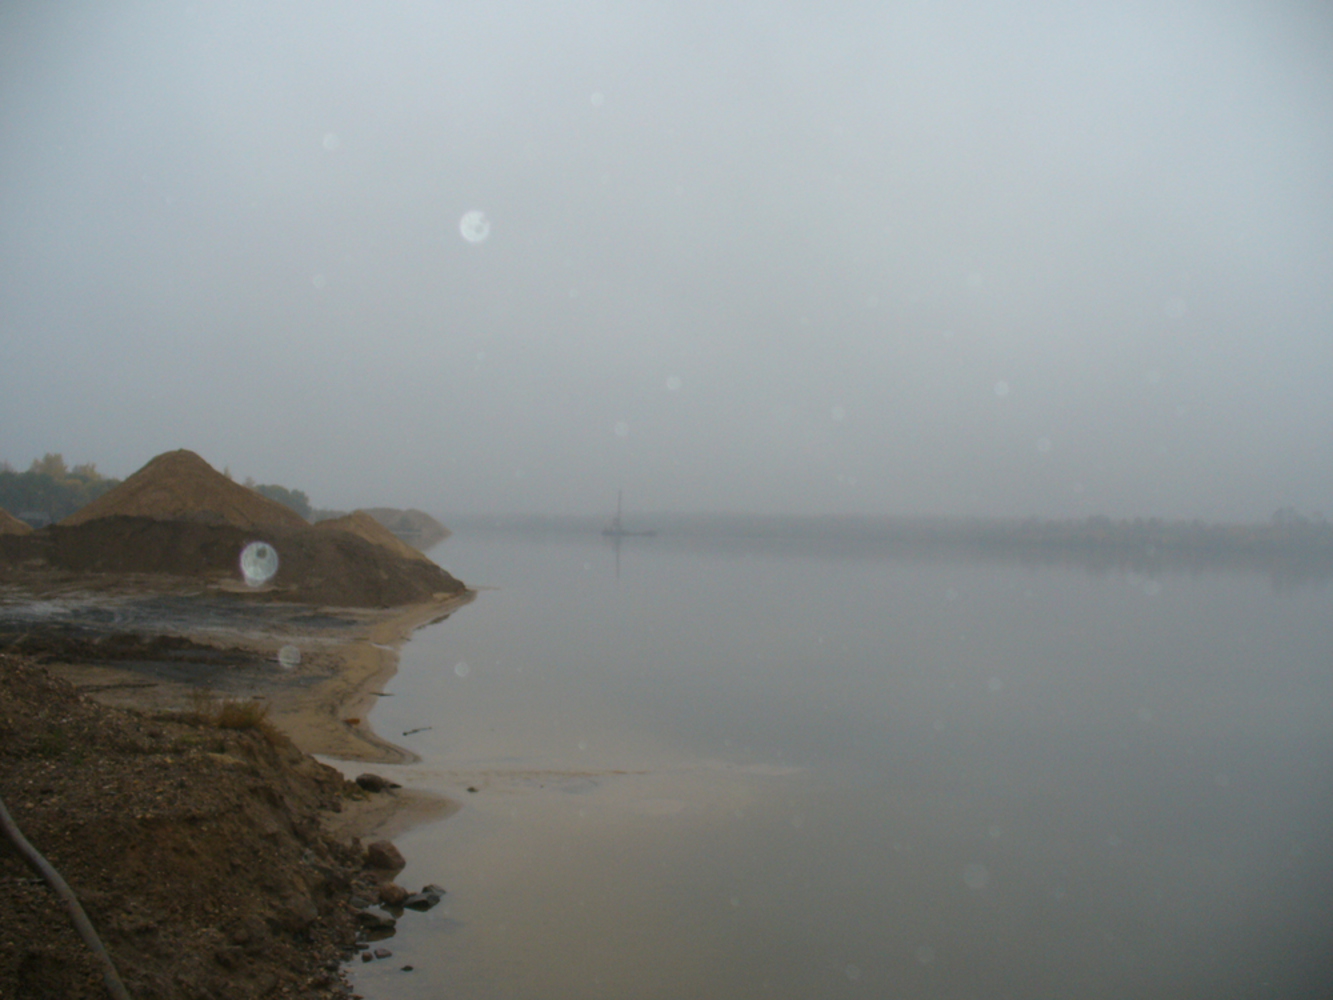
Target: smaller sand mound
{"x":413,"y":526}
{"x":11,"y":525}
{"x":362,"y":525}
{"x":181,"y":486}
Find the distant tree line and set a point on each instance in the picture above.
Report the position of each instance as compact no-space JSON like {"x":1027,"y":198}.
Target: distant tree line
{"x":49,"y":490}
{"x":295,"y":499}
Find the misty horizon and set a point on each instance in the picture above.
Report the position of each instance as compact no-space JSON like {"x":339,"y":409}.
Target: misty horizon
{"x":959,"y":260}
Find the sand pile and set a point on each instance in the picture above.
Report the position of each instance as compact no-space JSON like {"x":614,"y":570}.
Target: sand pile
{"x":181,"y":486}
{"x":11,"y":525}
{"x":363,"y":525}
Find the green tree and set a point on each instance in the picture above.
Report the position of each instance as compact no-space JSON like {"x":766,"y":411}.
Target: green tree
{"x":295,"y":499}
{"x":50,"y":465}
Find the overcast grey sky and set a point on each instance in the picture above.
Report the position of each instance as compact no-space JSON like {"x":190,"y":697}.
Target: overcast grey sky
{"x":936,"y":257}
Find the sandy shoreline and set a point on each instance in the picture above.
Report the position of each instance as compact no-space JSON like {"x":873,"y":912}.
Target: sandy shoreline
{"x":319,"y":720}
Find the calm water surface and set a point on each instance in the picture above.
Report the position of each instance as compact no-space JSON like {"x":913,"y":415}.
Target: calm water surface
{"x":813,"y":775}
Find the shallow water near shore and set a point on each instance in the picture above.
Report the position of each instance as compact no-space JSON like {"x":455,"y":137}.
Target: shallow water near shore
{"x":756,"y":774}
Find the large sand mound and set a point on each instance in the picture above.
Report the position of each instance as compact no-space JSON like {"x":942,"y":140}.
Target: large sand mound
{"x":362,"y":525}
{"x":181,"y":486}
{"x":11,"y":525}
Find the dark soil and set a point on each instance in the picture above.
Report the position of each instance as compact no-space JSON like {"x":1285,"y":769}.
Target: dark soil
{"x":198,"y":852}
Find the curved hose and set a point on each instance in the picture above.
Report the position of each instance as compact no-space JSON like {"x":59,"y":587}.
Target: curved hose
{"x":81,"y":922}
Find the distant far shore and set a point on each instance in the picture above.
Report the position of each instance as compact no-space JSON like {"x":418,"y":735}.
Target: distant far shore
{"x":1290,"y":547}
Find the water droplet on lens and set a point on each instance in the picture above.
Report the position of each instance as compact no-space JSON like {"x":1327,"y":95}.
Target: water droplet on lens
{"x":331,"y":141}
{"x":259,"y":563}
{"x":975,"y":876}
{"x":597,"y":99}
{"x":474,"y":226}
{"x":462,"y":669}
{"x":621,"y":429}
{"x":318,"y":280}
{"x":673,"y":382}
{"x":1001,"y":388}
{"x":289,"y":657}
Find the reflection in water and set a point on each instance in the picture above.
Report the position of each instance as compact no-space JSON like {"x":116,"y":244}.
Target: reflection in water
{"x":763,"y":774}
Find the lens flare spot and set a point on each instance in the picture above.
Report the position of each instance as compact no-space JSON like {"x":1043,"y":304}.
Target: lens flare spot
{"x":474,"y":226}
{"x":259,"y":563}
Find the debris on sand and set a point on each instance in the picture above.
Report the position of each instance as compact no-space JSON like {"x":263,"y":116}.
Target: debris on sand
{"x":181,"y":486}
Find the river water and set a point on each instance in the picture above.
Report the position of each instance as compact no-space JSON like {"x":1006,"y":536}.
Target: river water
{"x":811,"y":774}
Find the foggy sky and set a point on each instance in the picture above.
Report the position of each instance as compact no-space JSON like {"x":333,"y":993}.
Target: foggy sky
{"x":954,"y":257}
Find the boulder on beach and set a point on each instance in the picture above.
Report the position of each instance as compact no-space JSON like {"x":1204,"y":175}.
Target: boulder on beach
{"x":11,"y":525}
{"x":181,"y":486}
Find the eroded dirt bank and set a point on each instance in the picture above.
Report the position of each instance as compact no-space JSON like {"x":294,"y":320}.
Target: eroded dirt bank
{"x":214,"y":861}
{"x":198,"y":852}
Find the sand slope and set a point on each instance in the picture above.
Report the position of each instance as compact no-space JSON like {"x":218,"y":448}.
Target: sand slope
{"x":11,"y":525}
{"x":362,"y":525}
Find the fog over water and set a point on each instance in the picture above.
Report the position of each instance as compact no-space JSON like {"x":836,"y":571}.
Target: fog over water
{"x":957,"y":258}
